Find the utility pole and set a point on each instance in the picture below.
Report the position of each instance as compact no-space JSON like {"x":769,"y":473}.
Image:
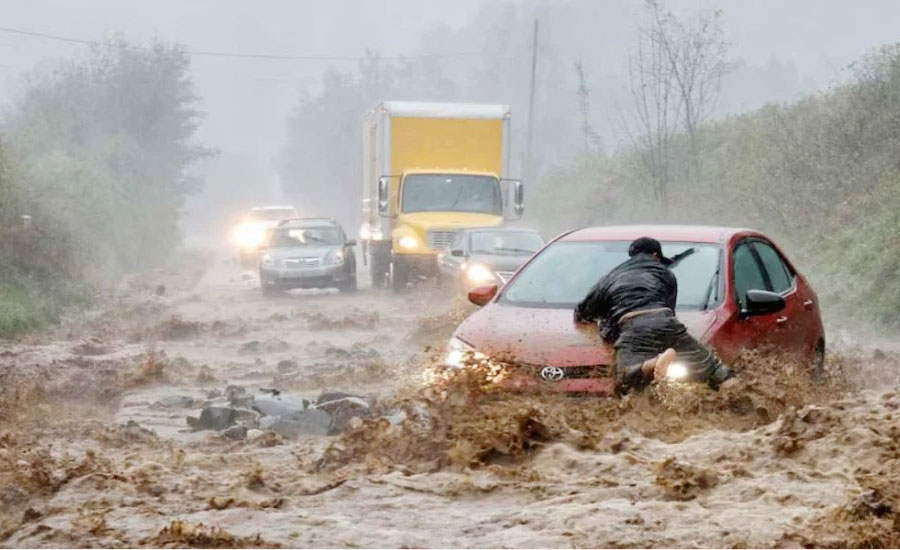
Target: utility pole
{"x":528,"y":139}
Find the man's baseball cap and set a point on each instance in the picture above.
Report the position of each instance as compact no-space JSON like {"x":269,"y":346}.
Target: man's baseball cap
{"x":647,"y":245}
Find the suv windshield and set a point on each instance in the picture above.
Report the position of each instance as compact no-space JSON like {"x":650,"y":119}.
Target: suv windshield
{"x":451,"y":193}
{"x":510,"y":243}
{"x":306,"y":236}
{"x":272,"y":214}
{"x":564,"y":272}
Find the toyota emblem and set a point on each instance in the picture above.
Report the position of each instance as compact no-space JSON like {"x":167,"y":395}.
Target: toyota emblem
{"x":552,"y":373}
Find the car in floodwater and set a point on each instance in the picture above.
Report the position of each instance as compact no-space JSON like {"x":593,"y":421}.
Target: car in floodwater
{"x":736,"y":291}
{"x":480,"y":256}
{"x":307,"y":253}
{"x":255,"y":229}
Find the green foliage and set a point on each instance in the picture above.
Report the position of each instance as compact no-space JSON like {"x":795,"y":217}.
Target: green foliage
{"x":821,"y":175}
{"x":96,"y":151}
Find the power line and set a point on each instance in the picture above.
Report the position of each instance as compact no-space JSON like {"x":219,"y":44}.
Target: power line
{"x":281,"y":57}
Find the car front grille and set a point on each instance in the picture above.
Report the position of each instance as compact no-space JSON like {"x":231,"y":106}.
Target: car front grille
{"x":591,"y":371}
{"x":302,"y":262}
{"x":440,"y":239}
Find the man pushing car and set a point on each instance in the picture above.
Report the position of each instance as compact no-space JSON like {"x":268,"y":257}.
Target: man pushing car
{"x":634,"y":305}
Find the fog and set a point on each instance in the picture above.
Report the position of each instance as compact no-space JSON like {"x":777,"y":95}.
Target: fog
{"x":779,"y":51}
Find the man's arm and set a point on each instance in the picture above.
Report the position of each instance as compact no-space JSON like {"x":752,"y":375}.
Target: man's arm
{"x":595,"y":304}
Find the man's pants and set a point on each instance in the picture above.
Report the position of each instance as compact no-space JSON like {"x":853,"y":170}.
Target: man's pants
{"x":646,"y":336}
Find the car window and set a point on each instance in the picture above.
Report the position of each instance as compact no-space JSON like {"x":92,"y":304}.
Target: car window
{"x":563,"y":273}
{"x":306,"y":236}
{"x":747,"y":275}
{"x":779,"y":275}
{"x":506,"y":243}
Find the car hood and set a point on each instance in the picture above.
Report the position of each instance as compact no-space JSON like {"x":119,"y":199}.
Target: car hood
{"x":542,"y":336}
{"x":499,"y":262}
{"x":302,"y":251}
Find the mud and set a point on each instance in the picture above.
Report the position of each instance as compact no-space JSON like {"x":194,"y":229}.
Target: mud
{"x":95,"y":449}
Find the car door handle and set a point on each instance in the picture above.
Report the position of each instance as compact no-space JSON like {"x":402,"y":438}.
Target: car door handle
{"x":809,"y":304}
{"x":781,"y":320}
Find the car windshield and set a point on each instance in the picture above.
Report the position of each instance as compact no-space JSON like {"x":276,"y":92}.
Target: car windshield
{"x":307,"y":236}
{"x":507,"y":243}
{"x":451,"y":193}
{"x":272,"y":214}
{"x":564,"y":272}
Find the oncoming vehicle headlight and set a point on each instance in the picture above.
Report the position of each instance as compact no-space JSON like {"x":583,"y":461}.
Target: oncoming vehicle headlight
{"x":677,"y":371}
{"x":267,"y":261}
{"x":479,"y":274}
{"x":460,"y":353}
{"x":249,"y":235}
{"x":334,"y":258}
{"x":409,"y":242}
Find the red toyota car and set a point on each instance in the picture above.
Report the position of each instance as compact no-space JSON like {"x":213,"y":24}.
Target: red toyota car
{"x":736,"y":290}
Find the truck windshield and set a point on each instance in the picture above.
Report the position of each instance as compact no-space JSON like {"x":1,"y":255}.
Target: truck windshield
{"x":451,"y":193}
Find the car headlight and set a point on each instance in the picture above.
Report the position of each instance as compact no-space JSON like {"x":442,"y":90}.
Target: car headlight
{"x":408,"y":242}
{"x":334,"y":258}
{"x":249,"y":235}
{"x":366,"y":233}
{"x":479,"y":274}
{"x":460,"y":353}
{"x":677,"y":371}
{"x":268,"y":261}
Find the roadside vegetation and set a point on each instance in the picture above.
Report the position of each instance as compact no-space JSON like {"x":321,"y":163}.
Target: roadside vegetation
{"x":822,"y":175}
{"x":95,"y":155}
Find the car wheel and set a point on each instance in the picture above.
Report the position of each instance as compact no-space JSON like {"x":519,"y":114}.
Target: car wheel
{"x":349,"y":284}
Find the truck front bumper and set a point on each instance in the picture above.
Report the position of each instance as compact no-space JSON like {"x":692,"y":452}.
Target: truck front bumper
{"x":424,"y":265}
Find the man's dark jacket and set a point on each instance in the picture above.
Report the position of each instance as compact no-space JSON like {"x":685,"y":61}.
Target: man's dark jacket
{"x":641,"y":282}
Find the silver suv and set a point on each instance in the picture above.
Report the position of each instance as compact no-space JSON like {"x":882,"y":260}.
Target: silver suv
{"x":308,"y":253}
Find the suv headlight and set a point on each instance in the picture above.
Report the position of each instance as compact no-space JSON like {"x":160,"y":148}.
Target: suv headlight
{"x":269,"y":261}
{"x":334,"y":258}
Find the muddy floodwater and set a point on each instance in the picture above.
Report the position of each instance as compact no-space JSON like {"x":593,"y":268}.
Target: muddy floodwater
{"x":97,"y":449}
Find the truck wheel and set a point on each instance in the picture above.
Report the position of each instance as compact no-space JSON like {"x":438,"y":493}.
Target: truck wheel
{"x":398,"y":276}
{"x":348,"y":284}
{"x":379,"y":263}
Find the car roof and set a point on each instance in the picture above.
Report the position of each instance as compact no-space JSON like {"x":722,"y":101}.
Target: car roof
{"x":664,"y":233}
{"x":285,"y":207}
{"x":309,"y":222}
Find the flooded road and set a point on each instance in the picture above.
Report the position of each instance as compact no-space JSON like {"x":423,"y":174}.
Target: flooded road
{"x":96,"y":448}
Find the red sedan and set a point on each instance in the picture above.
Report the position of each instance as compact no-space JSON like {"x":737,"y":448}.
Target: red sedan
{"x":736,"y":290}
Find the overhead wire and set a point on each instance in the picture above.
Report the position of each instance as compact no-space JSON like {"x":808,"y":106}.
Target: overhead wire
{"x":239,"y":55}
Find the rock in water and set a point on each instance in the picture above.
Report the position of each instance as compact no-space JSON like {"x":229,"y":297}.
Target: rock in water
{"x":343,"y":409}
{"x":279,"y":404}
{"x":310,"y":422}
{"x":215,"y":418}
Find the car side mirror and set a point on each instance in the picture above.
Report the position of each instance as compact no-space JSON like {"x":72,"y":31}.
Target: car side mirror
{"x":457,"y":253}
{"x":762,"y":302}
{"x":350,"y":243}
{"x":482,"y":294}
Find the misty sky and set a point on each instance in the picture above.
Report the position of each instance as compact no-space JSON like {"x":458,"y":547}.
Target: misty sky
{"x":247,"y":101}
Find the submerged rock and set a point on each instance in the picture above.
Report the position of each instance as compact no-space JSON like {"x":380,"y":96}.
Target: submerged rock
{"x":274,"y":403}
{"x":309,"y":422}
{"x":214,"y":418}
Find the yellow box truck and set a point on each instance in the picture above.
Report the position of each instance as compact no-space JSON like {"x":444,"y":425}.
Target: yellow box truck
{"x":429,"y":170}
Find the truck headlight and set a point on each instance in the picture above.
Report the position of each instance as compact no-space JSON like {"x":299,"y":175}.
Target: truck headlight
{"x":408,"y":242}
{"x":479,"y":274}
